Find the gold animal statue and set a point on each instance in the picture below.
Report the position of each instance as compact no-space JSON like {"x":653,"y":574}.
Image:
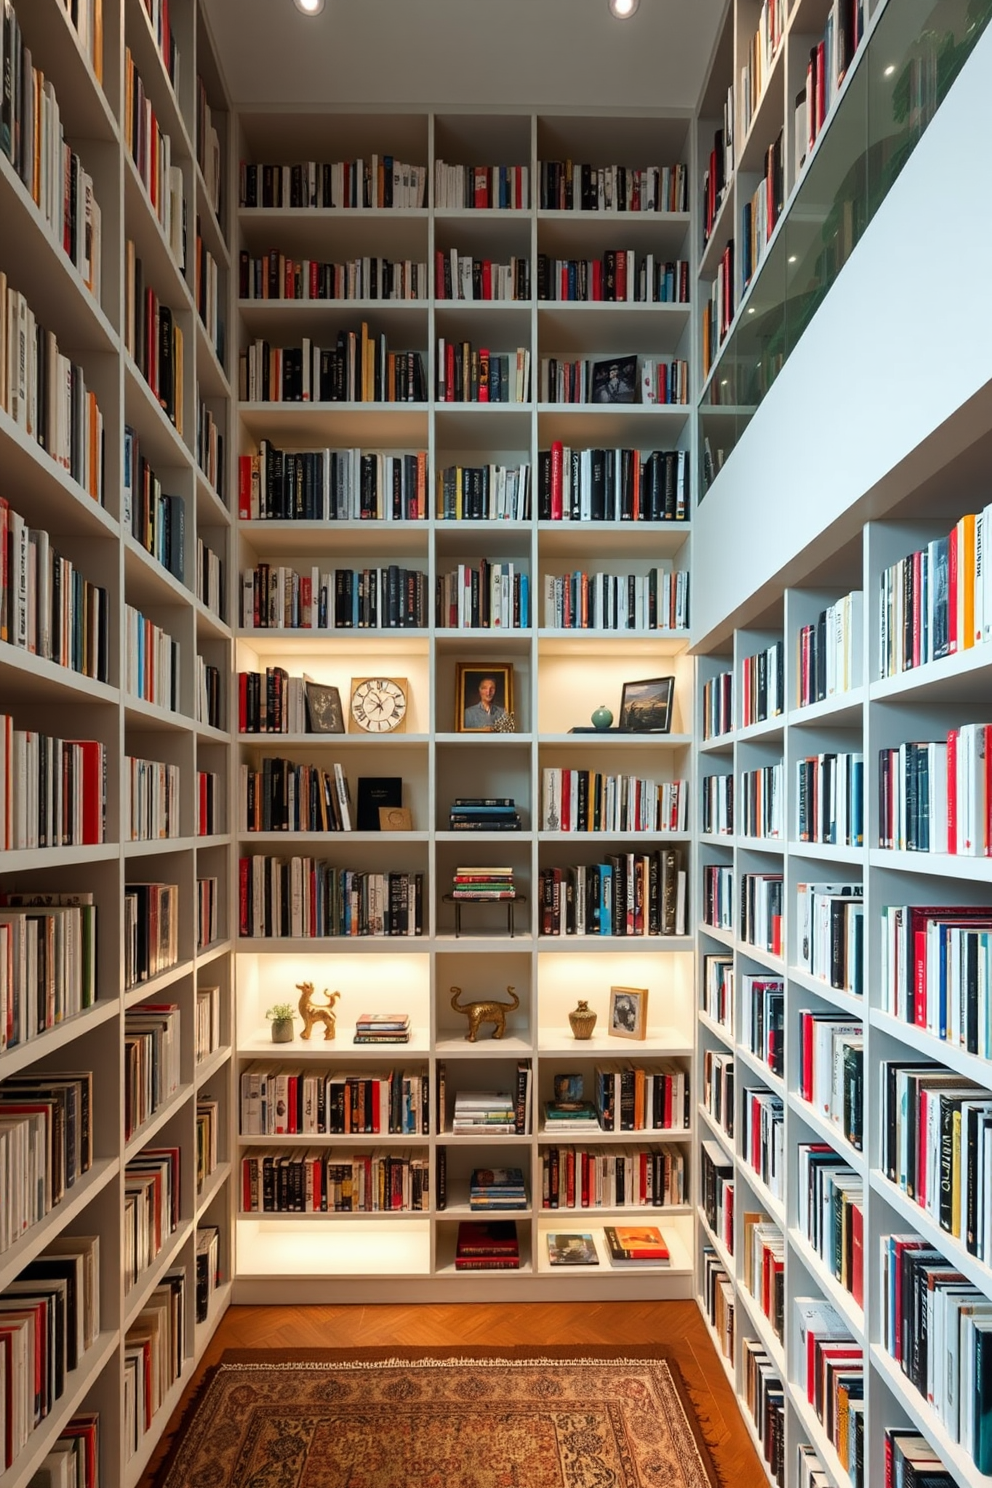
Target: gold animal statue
{"x":485,"y":1012}
{"x":313,"y":1012}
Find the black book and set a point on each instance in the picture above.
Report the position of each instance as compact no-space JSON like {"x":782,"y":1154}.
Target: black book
{"x":375,"y":791}
{"x":166,"y":370}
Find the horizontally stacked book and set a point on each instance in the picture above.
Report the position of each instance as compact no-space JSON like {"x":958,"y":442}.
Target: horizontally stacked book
{"x":491,"y":1246}
{"x":497,"y":1188}
{"x":636,"y":1245}
{"x":382,"y":1028}
{"x":484,"y":1110}
{"x":483,"y":883}
{"x":484,"y":814}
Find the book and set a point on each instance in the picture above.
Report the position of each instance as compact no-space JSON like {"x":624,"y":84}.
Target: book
{"x":374,"y":792}
{"x":577,"y":1249}
{"x":636,"y":1245}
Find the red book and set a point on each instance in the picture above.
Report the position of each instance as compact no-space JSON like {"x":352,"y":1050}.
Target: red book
{"x":987,"y":844}
{"x":244,"y":487}
{"x":487,"y":279}
{"x":857,"y":1255}
{"x":449,"y":372}
{"x":621,"y":291}
{"x":821,"y":85}
{"x":94,"y":788}
{"x":557,"y":479}
{"x":597,"y":279}
{"x":439,"y":275}
{"x":483,"y":391}
{"x":314,"y":279}
{"x":481,"y":193}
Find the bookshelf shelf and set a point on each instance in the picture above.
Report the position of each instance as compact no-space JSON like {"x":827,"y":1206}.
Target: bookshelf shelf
{"x":78,"y":1385}
{"x":828,"y":1284}
{"x":13,"y":1260}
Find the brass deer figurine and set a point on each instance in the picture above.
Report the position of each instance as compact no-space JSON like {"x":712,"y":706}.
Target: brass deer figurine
{"x":313,"y":1012}
{"x":485,"y":1012}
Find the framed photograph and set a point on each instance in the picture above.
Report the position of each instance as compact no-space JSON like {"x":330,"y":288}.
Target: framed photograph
{"x":628,"y":1017}
{"x":484,"y":698}
{"x":615,"y":381}
{"x":324,"y":713}
{"x":646,"y":707}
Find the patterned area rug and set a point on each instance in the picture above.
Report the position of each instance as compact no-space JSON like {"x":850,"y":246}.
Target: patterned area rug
{"x":510,"y":1419}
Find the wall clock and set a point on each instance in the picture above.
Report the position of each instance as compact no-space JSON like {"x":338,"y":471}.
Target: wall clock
{"x":379,"y":704}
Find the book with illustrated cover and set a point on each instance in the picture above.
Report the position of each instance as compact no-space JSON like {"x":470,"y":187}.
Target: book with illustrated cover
{"x":636,"y":1244}
{"x":571,"y":1249}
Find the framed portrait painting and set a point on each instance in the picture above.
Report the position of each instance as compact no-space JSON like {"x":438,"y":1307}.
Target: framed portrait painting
{"x":484,"y":698}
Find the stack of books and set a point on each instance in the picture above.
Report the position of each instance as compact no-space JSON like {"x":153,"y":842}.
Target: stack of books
{"x":497,"y":1188}
{"x":484,"y":814}
{"x":382,"y":1028}
{"x":569,"y":1111}
{"x":483,"y":883}
{"x":491,"y":1246}
{"x":484,"y":1110}
{"x":636,"y":1245}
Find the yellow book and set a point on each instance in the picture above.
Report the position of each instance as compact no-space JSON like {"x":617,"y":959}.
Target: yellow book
{"x":966,"y":581}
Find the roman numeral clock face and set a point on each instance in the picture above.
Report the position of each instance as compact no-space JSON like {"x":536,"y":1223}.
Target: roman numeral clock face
{"x":378,"y":704}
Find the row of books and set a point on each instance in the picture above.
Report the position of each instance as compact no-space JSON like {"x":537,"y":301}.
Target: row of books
{"x":52,"y":791}
{"x":936,"y":600}
{"x":34,"y":141}
{"x":73,"y":1459}
{"x":330,"y":485}
{"x":761,"y":810}
{"x":483,"y":187}
{"x":208,"y":912}
{"x":47,"y":607}
{"x":718,"y":705}
{"x":830,"y":799}
{"x":657,"y":600}
{"x":151,"y":800}
{"x":938,"y":1329}
{"x":286,"y":1101}
{"x":160,"y":22}
{"x":719,"y":309}
{"x":634,"y":1097}
{"x":276,"y":596}
{"x":764,"y":1267}
{"x":628,"y":894}
{"x":359,"y":368}
{"x":46,"y":1144}
{"x":151,"y":930}
{"x":478,"y":493}
{"x":210,"y":449}
{"x":831,"y":1214}
{"x":155,"y":519}
{"x":151,"y":661}
{"x":718,"y":805}
{"x":151,"y":1208}
{"x":936,"y":796}
{"x":621,"y":275}
{"x":209,"y":578}
{"x":467,"y":374}
{"x":208,"y":150}
{"x":759,"y":57}
{"x":151,"y":1061}
{"x":618,"y":380}
{"x":760,"y":215}
{"x":718,"y":1088}
{"x":615,"y":1177}
{"x":50,"y":1318}
{"x":830,"y":1374}
{"x":208,"y":289}
{"x":380,"y":181}
{"x":47,"y":961}
{"x":589,"y":801}
{"x":935,"y":969}
{"x":612,"y":485}
{"x":209,"y":694}
{"x":829,"y":61}
{"x":718,"y":1301}
{"x":763,"y":684}
{"x":911,"y":1462}
{"x":206,"y":1139}
{"x":718,"y":990}
{"x":718,"y":896}
{"x":285,"y":797}
{"x":316,"y":1181}
{"x":828,"y":651}
{"x":763,"y":1137}
{"x":208,"y":1273}
{"x":831,"y":1070}
{"x":830,"y":933}
{"x":492,"y":595}
{"x":305,"y":898}
{"x":935,"y":1146}
{"x":207,"y":1023}
{"x":760,"y":922}
{"x":152,"y":152}
{"x":277,"y":276}
{"x":46,"y":395}
{"x":273,"y":702}
{"x":459,"y":276}
{"x":572,"y":186}
{"x":154,"y":1353}
{"x":716,"y":1176}
{"x":764,"y":1396}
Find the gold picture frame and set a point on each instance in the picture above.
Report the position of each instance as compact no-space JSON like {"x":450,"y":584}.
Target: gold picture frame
{"x":628,"y":1015}
{"x":483,"y":697}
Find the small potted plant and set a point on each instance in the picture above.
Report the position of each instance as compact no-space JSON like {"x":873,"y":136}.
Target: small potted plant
{"x":280,"y":1015}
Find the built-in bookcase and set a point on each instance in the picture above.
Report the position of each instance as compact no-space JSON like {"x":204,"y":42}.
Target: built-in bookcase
{"x":135,"y":561}
{"x":787,"y":1017}
{"x":561,"y":671}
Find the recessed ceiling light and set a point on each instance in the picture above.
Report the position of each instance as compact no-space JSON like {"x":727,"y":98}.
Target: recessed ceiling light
{"x":310,"y":7}
{"x":889,"y":70}
{"x":623,"y":9}
{"x":792,"y":258}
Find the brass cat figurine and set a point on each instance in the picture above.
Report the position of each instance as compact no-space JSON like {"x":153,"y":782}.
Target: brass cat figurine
{"x":485,"y":1012}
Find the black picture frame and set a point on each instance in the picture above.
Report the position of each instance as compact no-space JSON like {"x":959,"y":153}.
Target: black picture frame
{"x":324,"y":712}
{"x":646,"y":706}
{"x":614,"y":380}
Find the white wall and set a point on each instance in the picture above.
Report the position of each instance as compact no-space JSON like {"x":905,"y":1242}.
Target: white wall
{"x":890,"y":379}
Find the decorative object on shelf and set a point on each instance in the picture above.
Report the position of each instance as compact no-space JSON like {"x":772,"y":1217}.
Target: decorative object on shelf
{"x":629,"y":1012}
{"x":615,"y":380}
{"x":601,"y":717}
{"x":280,"y":1015}
{"x":313,"y":1012}
{"x":395,"y":819}
{"x":491,"y":1011}
{"x":324,"y":712}
{"x":375,"y":793}
{"x":484,"y":698}
{"x":379,"y":704}
{"x":646,"y":707}
{"x":582,"y":1020}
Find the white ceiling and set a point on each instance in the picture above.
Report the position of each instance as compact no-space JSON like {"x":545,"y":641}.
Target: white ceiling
{"x":486,"y":53}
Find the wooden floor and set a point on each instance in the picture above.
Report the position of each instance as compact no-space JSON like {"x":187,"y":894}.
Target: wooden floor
{"x":678,"y":1325}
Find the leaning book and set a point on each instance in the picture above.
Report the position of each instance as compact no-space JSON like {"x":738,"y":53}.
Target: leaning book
{"x":636,"y":1245}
